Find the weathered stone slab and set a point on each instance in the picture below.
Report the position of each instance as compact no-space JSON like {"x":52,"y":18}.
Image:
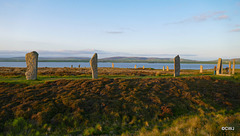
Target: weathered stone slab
{"x":219,"y":67}
{"x":167,"y":68}
{"x":32,"y":65}
{"x":94,"y":68}
{"x":230,"y":69}
{"x":71,"y":66}
{"x":163,"y":69}
{"x":79,"y":66}
{"x":233,"y":68}
{"x":215,"y":68}
{"x":176,"y":66}
{"x":135,"y":66}
{"x":143,"y":67}
{"x":222,"y":69}
{"x":201,"y":69}
{"x":112,"y":65}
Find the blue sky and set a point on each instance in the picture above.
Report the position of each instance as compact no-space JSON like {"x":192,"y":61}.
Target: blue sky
{"x":199,"y":29}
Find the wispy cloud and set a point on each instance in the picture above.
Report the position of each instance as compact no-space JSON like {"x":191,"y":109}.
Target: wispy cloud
{"x":85,"y":53}
{"x":114,"y":32}
{"x":120,"y":30}
{"x":219,"y":15}
{"x":237,"y":25}
{"x":60,"y":53}
{"x":164,"y":55}
{"x":238,"y":4}
{"x":236,"y":28}
{"x":206,"y":16}
{"x":222,"y":17}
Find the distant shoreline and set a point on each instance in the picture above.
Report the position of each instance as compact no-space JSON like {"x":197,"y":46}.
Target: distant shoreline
{"x":118,"y":60}
{"x":195,"y":62}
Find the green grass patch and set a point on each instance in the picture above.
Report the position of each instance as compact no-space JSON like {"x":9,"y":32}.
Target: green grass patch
{"x":42,"y":79}
{"x":234,"y":78}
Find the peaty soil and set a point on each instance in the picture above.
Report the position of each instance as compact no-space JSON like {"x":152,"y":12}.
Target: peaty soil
{"x":116,"y":104}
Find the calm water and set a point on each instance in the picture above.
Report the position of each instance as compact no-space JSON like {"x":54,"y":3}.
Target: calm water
{"x":118,"y":65}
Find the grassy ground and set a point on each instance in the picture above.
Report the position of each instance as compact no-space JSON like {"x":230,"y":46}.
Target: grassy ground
{"x":122,"y":102}
{"x":17,"y":75}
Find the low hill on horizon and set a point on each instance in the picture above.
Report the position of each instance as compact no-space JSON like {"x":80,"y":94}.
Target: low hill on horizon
{"x":114,"y":59}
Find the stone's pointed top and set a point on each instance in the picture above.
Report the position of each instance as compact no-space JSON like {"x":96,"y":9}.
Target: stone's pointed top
{"x":94,"y":56}
{"x":34,"y":52}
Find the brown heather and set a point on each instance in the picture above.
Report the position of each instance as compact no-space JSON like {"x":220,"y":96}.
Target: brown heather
{"x":119,"y":104}
{"x":13,"y":71}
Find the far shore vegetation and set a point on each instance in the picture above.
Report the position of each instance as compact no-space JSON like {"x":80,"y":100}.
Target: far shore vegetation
{"x":118,"y":60}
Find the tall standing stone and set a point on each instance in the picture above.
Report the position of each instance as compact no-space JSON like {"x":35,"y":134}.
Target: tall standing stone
{"x":230,"y":69}
{"x":222,"y":69}
{"x":167,"y":68}
{"x":214,"y":70}
{"x":201,"y":68}
{"x":143,"y":67}
{"x":233,"y":68}
{"x":176,"y":66}
{"x":219,"y":67}
{"x":32,"y":65}
{"x":163,"y":69}
{"x":94,"y":68}
{"x":71,"y":66}
{"x":79,"y":66}
{"x":135,"y":66}
{"x":112,"y":65}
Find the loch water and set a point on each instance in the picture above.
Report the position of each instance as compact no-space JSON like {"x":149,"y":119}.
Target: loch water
{"x":116,"y":65}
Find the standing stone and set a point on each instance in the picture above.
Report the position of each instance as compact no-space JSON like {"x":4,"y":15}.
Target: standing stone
{"x":230,"y":69}
{"x":219,"y":67}
{"x":201,"y":69}
{"x":79,"y":66}
{"x":222,"y":69}
{"x":214,"y":70}
{"x":32,"y":65}
{"x":176,"y":66}
{"x":163,"y":69}
{"x":71,"y":66}
{"x":135,"y":66}
{"x":143,"y":67}
{"x":233,"y":68}
{"x":167,"y":68}
{"x":94,"y":68}
{"x":112,"y":65}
